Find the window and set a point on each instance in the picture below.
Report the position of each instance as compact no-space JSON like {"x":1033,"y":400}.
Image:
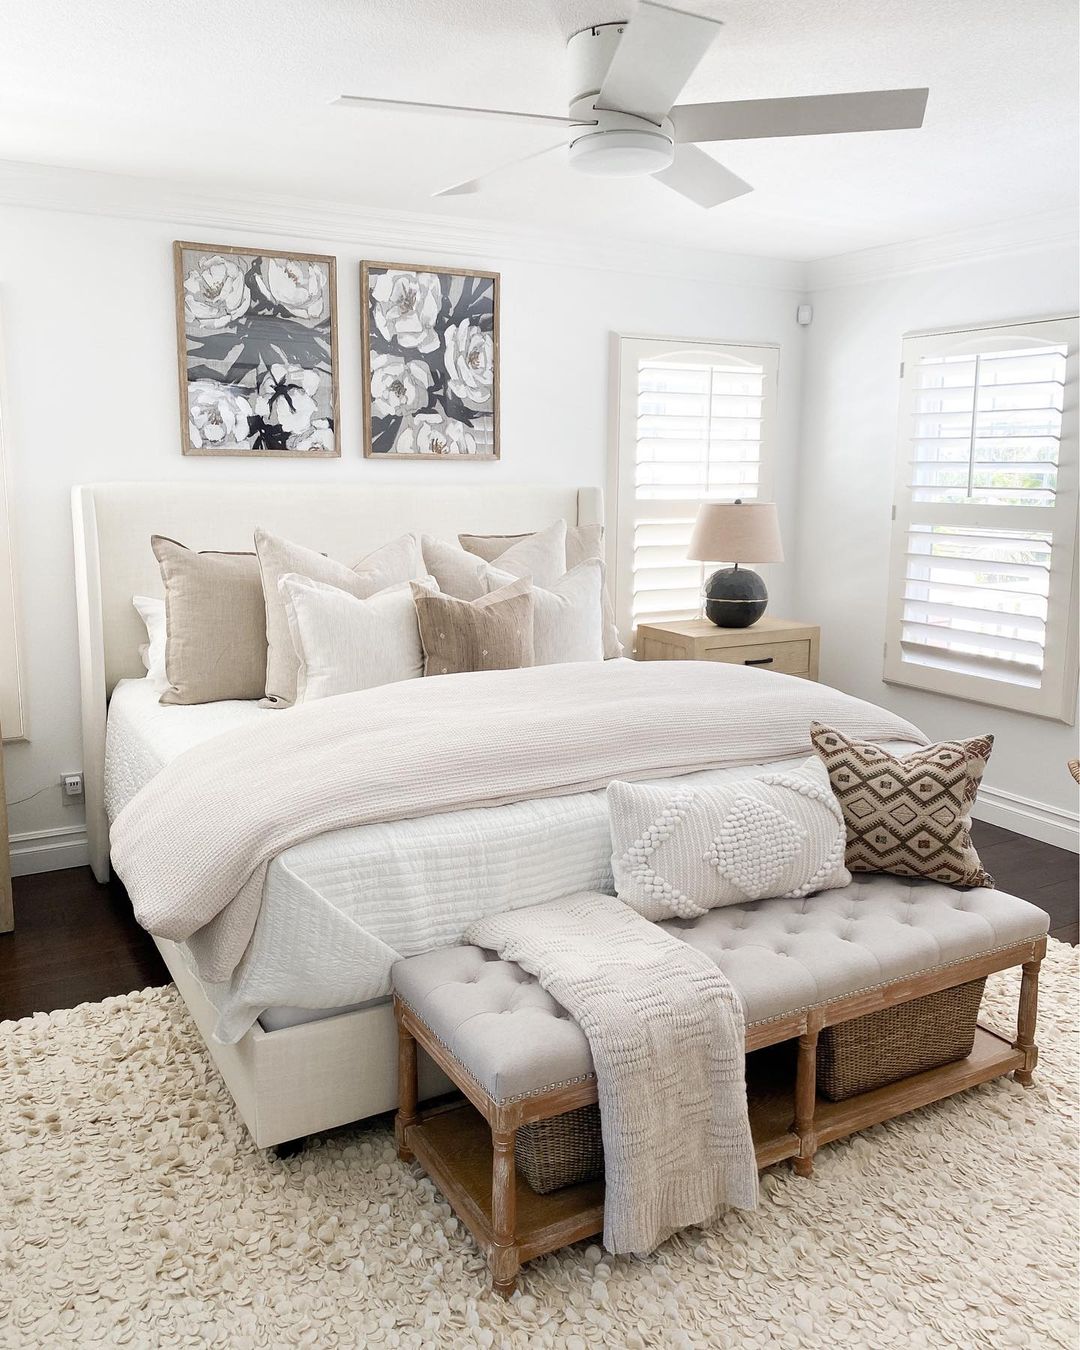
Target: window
{"x":694,"y":422}
{"x":982,"y":598}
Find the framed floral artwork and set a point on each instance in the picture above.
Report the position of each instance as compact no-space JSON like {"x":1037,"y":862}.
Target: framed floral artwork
{"x":256,"y":335}
{"x":431,"y":362}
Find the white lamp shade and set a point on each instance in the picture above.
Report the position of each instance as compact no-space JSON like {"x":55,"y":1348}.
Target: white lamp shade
{"x":737,"y":532}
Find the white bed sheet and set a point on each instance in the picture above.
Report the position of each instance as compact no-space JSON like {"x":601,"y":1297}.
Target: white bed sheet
{"x":339,"y":909}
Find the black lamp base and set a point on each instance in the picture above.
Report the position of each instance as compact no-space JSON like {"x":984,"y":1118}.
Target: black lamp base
{"x":735,"y":597}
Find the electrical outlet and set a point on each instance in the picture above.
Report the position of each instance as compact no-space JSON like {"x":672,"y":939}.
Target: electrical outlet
{"x":71,"y":788}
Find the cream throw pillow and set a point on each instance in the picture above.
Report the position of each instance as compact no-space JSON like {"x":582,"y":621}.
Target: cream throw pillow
{"x":678,"y":850}
{"x":215,"y":624}
{"x":393,"y":563}
{"x":463,"y":575}
{"x":343,"y":643}
{"x":583,"y":543}
{"x":568,"y":622}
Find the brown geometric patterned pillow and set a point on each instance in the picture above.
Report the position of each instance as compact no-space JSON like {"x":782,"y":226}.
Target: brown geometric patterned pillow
{"x":910,"y":815}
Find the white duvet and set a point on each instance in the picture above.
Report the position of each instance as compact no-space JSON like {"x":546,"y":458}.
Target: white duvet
{"x":339,"y":909}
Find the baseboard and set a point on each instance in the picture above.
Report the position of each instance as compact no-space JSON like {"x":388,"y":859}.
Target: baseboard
{"x":49,"y":850}
{"x":1038,"y":820}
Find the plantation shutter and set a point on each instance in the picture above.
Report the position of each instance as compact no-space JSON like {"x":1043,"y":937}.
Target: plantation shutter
{"x":694,"y":424}
{"x":982,"y":599}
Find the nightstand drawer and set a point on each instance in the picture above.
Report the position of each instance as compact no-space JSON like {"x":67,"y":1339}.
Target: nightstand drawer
{"x":790,"y":658}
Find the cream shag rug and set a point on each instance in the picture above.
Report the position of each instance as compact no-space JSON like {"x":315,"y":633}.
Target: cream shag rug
{"x":134,"y":1210}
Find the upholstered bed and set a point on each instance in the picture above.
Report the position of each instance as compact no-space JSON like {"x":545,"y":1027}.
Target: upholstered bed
{"x":437,"y":802}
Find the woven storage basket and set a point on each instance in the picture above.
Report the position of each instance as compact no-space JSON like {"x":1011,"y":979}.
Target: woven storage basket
{"x":562,"y":1150}
{"x":883,"y":1047}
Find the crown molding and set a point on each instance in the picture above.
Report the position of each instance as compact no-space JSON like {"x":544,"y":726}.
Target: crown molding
{"x":998,"y":238}
{"x":187,"y":206}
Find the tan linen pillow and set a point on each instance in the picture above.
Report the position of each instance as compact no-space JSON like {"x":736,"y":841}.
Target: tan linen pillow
{"x":908,"y":815}
{"x":494,"y":632}
{"x":390,"y":565}
{"x":215,"y":624}
{"x":583,"y":544}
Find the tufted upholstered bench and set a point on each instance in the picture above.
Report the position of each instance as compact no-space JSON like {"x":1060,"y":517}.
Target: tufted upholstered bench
{"x":799,"y":966}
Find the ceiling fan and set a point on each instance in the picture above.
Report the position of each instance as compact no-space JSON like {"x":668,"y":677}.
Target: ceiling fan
{"x":624,"y":79}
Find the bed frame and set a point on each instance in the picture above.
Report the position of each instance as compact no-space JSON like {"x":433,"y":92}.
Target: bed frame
{"x":303,"y":1079}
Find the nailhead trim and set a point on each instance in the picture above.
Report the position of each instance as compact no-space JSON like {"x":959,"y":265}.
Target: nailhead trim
{"x":763,"y":1022}
{"x":498,"y":1101}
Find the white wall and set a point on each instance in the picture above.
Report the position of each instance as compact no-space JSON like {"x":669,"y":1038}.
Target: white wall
{"x":845,"y":483}
{"x":88,"y":313}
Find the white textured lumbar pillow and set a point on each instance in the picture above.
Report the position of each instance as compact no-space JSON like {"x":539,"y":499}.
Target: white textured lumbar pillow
{"x":343,"y":643}
{"x":678,"y":851}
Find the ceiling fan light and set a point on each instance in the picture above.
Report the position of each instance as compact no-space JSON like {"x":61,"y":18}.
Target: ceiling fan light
{"x":621,"y":154}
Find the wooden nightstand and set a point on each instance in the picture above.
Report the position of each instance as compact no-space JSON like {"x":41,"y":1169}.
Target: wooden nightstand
{"x":769,"y":644}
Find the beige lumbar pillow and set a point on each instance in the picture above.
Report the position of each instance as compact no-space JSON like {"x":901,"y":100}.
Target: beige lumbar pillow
{"x":568,"y":617}
{"x":583,"y":544}
{"x":464,"y":575}
{"x":494,"y":632}
{"x":908,"y":815}
{"x":392,"y":564}
{"x":215,"y":624}
{"x":344,"y":644}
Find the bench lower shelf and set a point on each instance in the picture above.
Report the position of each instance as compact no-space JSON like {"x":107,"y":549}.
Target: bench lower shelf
{"x":453,"y":1144}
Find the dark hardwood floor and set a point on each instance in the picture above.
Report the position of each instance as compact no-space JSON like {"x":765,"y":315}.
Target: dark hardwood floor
{"x":77,"y":942}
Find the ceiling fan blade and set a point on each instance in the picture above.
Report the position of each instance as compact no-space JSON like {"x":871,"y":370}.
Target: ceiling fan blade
{"x":817,"y":115}
{"x":656,"y":55}
{"x":470,"y":185}
{"x":696,"y":175}
{"x":403,"y":105}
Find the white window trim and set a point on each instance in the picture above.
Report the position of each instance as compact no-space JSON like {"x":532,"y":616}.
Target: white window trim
{"x":1056,"y":697}
{"x":627,"y":350}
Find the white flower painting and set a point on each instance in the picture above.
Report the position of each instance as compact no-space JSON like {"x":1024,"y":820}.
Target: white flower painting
{"x":258,"y":358}
{"x":431,"y":353}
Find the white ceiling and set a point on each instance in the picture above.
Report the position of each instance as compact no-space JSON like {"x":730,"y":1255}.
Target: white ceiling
{"x":235,"y":93}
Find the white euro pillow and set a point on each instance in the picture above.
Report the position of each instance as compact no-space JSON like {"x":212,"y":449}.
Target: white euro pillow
{"x":344,"y":643}
{"x":396,"y":562}
{"x":568,"y":615}
{"x":152,"y":613}
{"x":463,"y":575}
{"x":678,"y":851}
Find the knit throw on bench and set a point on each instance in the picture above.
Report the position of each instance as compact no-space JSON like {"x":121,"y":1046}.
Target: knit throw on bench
{"x":667,"y":1038}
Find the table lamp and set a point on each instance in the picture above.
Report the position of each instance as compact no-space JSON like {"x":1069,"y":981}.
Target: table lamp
{"x":741,"y":532}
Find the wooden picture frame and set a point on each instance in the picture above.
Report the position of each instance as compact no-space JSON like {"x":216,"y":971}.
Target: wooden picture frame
{"x":430,"y":362}
{"x":256,"y":331}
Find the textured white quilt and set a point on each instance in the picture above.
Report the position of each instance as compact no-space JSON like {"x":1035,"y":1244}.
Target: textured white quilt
{"x":193,"y":846}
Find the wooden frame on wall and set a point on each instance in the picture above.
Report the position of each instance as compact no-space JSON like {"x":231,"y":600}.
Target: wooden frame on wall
{"x":257,"y":413}
{"x":436,"y":392}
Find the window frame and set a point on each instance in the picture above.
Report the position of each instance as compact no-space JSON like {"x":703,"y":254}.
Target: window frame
{"x":1055,"y":698}
{"x":627,"y":351}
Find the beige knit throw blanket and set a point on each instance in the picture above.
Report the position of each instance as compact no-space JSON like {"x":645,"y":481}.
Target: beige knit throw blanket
{"x":667,"y":1038}
{"x":194,"y":844}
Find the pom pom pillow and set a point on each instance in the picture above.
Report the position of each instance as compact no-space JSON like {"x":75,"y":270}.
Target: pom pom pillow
{"x":678,"y":851}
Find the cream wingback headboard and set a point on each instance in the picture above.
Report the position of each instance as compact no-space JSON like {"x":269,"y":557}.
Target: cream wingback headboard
{"x":113,"y":523}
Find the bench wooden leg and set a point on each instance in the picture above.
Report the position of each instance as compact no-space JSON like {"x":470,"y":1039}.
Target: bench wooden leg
{"x":1025,"y":1021}
{"x":407,"y":1091}
{"x":805,"y":1100}
{"x":503,"y":1260}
